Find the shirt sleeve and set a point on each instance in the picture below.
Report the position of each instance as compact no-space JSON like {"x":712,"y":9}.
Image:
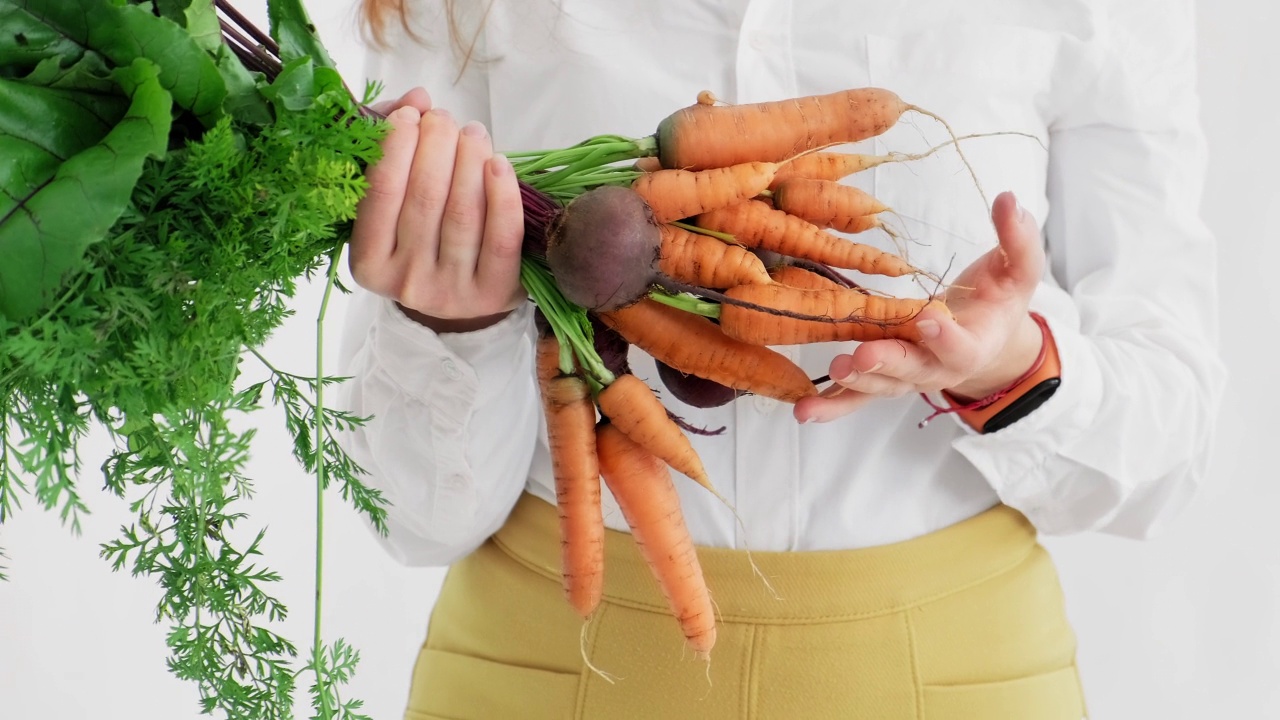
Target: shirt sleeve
{"x":1132,"y":297}
{"x":453,"y":419}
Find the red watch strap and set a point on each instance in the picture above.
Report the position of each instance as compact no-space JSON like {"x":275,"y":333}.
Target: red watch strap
{"x":976,"y":414}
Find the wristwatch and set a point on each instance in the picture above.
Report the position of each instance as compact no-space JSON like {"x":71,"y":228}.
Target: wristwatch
{"x":1017,"y":401}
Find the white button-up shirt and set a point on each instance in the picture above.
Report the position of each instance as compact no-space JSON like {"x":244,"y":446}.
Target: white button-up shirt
{"x":1107,"y":87}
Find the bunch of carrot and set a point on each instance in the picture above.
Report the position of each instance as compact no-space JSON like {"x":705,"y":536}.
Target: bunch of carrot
{"x":721,"y":245}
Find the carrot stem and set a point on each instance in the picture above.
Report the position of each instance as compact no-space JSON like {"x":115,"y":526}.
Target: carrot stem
{"x":723,"y":236}
{"x":687,"y":303}
{"x":598,"y":151}
{"x":568,"y":321}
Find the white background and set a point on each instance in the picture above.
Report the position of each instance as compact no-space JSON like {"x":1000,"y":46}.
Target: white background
{"x":1184,"y":626}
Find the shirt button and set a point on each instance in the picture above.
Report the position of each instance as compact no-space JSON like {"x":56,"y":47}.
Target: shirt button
{"x":764,"y":405}
{"x":450,"y":369}
{"x":760,"y":41}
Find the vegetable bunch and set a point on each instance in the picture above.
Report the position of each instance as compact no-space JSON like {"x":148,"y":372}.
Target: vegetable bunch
{"x":717,"y":243}
{"x":171,"y":173}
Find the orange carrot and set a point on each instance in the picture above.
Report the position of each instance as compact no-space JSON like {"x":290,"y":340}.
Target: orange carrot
{"x":694,"y":345}
{"x":827,"y":203}
{"x":647,"y":497}
{"x":857,"y":316}
{"x":547,"y":358}
{"x":633,"y":407}
{"x":757,"y":225}
{"x":836,"y":165}
{"x":704,"y":261}
{"x":826,"y":166}
{"x":862,"y":224}
{"x":798,"y":277}
{"x":706,"y":136}
{"x":678,"y":194}
{"x":571,"y":420}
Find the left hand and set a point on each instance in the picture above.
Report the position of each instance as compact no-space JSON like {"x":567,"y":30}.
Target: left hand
{"x":989,"y":342}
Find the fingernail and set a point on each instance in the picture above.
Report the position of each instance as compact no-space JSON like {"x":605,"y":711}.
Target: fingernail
{"x":500,"y":165}
{"x":928,"y":328}
{"x":1021,"y":211}
{"x":474,"y":129}
{"x":842,"y":368}
{"x":441,"y":113}
{"x":406,"y":115}
{"x":876,"y":367}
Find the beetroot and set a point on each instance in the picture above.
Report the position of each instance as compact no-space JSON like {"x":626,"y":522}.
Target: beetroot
{"x":693,"y":390}
{"x":604,"y":248}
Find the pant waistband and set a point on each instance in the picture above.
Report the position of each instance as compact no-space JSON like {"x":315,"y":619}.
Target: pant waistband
{"x":810,"y":586}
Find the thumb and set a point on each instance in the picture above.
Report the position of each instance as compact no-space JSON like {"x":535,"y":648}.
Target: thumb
{"x":1020,"y":244}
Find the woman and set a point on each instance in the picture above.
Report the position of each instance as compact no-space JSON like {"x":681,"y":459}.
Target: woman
{"x":910,"y":581}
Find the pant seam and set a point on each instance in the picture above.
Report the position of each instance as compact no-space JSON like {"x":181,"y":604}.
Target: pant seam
{"x":748,"y":709}
{"x":916,"y":680}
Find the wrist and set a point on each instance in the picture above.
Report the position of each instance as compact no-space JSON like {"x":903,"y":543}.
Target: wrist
{"x":1019,"y":354}
{"x":452,"y":325}
{"x":1006,"y":405}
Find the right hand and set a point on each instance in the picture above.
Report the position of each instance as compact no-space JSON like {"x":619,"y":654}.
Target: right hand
{"x":440,"y":228}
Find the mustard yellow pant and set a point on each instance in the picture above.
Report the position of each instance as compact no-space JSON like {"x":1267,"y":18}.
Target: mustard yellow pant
{"x":963,"y":624}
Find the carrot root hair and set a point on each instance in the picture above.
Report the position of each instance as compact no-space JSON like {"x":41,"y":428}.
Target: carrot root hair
{"x":582,"y":648}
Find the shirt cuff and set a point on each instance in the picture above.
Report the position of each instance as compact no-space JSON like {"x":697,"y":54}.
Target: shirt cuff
{"x":451,"y":375}
{"x":425,"y":363}
{"x":1012,"y":459}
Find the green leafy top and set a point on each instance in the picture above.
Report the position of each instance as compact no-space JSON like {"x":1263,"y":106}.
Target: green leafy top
{"x":168,"y":191}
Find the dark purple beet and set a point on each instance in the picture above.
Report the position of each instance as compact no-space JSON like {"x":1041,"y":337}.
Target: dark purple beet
{"x":603,"y":251}
{"x":604,"y":248}
{"x":611,"y":347}
{"x":540,"y":212}
{"x":693,"y":390}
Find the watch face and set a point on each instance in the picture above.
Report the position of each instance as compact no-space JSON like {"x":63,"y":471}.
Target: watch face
{"x":1020,"y":408}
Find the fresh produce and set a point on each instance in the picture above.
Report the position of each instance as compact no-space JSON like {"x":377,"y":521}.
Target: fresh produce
{"x":636,"y":412}
{"x":710,"y":136}
{"x":688,"y":258}
{"x":167,"y":197}
{"x":860,"y":316}
{"x":757,"y":225}
{"x":678,"y":194}
{"x":696,"y":346}
{"x":701,"y":260}
{"x":642,"y":485}
{"x":571,"y":439}
{"x":167,"y":187}
{"x":827,"y":203}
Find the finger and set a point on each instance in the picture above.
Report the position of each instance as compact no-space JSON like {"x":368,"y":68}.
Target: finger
{"x":901,"y":361}
{"x":415,"y":98}
{"x":825,"y":408}
{"x":962,"y":349}
{"x":870,"y":382}
{"x":462,"y":226}
{"x":1020,"y":243}
{"x":373,"y":236}
{"x":499,"y":264}
{"x":429,"y":181}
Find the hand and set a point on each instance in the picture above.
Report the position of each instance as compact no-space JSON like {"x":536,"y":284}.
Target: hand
{"x":440,"y":229}
{"x":989,"y":343}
